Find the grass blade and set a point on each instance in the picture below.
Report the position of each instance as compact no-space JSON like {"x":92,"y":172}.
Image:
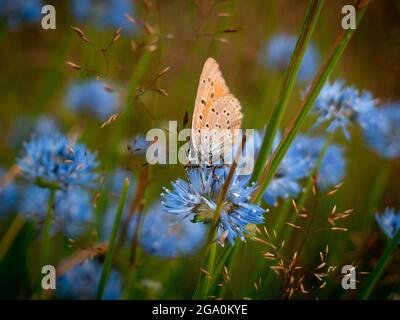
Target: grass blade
{"x":291,"y":132}
{"x":380,"y":268}
{"x":107,"y":263}
{"x":313,"y":11}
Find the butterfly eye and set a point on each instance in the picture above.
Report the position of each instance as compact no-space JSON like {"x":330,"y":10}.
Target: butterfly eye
{"x":200,"y":117}
{"x":212,"y":95}
{"x":227,"y":114}
{"x":213,"y":110}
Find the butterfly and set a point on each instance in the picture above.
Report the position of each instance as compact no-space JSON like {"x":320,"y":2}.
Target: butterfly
{"x":216,"y":117}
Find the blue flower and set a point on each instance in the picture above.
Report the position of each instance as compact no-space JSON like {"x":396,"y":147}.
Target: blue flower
{"x":25,"y":125}
{"x":14,"y":13}
{"x":197,"y":199}
{"x":72,"y":210}
{"x":340,"y":106}
{"x":389,"y":222}
{"x":277,"y":53}
{"x":170,"y":236}
{"x":333,"y":165}
{"x":139,"y":145}
{"x":54,"y":161}
{"x":382,"y":130}
{"x":8,"y":196}
{"x":82,"y":281}
{"x":286,"y":181}
{"x":106,"y":14}
{"x":92,"y":96}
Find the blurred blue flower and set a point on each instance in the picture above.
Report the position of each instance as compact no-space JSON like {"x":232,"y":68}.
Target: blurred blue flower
{"x":278,"y":50}
{"x":25,"y":125}
{"x":93,"y":97}
{"x":333,"y":165}
{"x":15,"y":13}
{"x":72,"y":209}
{"x":389,"y":222}
{"x":197,"y":199}
{"x":169,"y":236}
{"x":340,"y":106}
{"x":139,"y":145}
{"x":286,"y":181}
{"x":82,"y":281}
{"x":106,"y":14}
{"x":8,"y":196}
{"x":54,"y":161}
{"x":382,"y":130}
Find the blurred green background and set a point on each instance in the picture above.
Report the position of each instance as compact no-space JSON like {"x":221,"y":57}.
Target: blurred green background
{"x":34,"y":78}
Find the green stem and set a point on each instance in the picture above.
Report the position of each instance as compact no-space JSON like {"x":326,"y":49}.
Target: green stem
{"x":308,"y":101}
{"x":313,"y":11}
{"x":107,"y":263}
{"x":211,"y":246}
{"x":47,"y":227}
{"x":46,"y":236}
{"x":284,"y":216}
{"x":376,"y":193}
{"x":377,"y":273}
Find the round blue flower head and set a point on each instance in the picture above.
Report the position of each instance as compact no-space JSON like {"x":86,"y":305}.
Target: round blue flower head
{"x":14,"y":13}
{"x":286,"y":181}
{"x":72,"y":210}
{"x":138,"y":145}
{"x":91,"y":96}
{"x":333,"y":165}
{"x":54,"y":161}
{"x":105,"y":14}
{"x":170,"y":236}
{"x":382,"y":130}
{"x":8,"y":196}
{"x":389,"y":222}
{"x":340,"y":106}
{"x":278,"y":51}
{"x":82,"y":281}
{"x":197,"y":199}
{"x":24,"y":126}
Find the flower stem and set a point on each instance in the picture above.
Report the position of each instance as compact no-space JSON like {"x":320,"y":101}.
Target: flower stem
{"x":211,"y":246}
{"x":46,"y":234}
{"x":107,"y":263}
{"x":330,"y":62}
{"x":284,"y":215}
{"x":376,"y":193}
{"x":47,"y":227}
{"x":377,"y":273}
{"x":310,"y":20}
